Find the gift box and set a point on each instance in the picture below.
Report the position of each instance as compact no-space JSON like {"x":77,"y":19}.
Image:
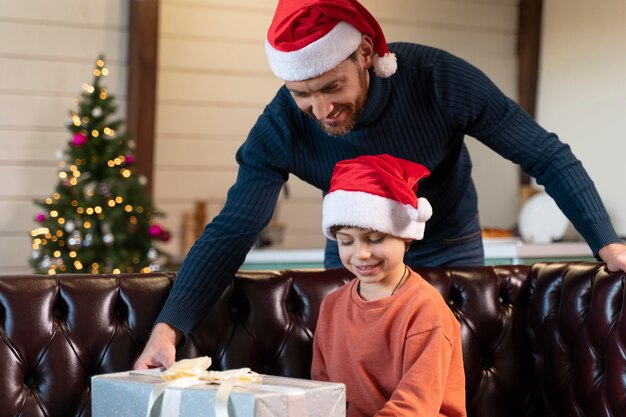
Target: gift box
{"x":128,"y":394}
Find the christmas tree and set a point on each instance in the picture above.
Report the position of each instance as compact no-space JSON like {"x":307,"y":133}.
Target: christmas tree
{"x":100,"y":219}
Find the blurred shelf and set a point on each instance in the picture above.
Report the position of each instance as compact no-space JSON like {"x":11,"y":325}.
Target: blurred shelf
{"x":509,"y":251}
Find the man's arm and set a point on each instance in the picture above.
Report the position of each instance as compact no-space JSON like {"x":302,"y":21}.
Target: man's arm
{"x":215,"y":257}
{"x":481,"y":110}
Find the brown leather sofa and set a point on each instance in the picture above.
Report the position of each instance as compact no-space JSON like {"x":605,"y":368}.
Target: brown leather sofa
{"x":546,"y":340}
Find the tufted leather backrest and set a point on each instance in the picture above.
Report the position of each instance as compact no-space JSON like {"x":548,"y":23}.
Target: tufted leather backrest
{"x":57,"y":331}
{"x":577,"y":331}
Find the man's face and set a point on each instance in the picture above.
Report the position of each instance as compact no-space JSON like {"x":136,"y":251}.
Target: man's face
{"x":335,"y":98}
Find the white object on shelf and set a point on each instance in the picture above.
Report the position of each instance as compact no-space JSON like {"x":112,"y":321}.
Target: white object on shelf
{"x":541,"y":220}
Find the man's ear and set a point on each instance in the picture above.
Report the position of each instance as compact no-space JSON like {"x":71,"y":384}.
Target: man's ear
{"x":366,"y":50}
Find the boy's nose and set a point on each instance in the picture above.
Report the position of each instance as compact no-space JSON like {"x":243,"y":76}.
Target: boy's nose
{"x":363,"y":251}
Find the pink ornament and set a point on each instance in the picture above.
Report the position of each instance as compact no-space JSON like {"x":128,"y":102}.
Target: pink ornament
{"x":41,"y":217}
{"x":130,"y":159}
{"x":155,"y":230}
{"x":79,"y":139}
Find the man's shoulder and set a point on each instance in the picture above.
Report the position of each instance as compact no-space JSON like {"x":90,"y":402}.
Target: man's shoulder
{"x":415,"y":53}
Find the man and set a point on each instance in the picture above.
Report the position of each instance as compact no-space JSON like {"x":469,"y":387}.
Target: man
{"x":348,"y":93}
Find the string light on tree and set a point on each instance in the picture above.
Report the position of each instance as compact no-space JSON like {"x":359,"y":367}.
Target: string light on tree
{"x":100,"y":218}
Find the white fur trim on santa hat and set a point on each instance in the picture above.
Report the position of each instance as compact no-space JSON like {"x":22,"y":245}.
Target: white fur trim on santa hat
{"x":369,"y":211}
{"x":317,"y":57}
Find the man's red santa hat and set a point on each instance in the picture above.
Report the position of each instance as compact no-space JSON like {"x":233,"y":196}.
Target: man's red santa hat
{"x":309,"y":37}
{"x":377,"y":192}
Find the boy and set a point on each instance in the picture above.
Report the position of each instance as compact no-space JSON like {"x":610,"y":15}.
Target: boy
{"x":388,"y":335}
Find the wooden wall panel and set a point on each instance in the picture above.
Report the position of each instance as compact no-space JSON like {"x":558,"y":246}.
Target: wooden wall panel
{"x":27,"y":75}
{"x":214,"y":152}
{"x":47,"y":52}
{"x":174,"y":119}
{"x":17,"y":215}
{"x":190,"y":184}
{"x":214,"y":82}
{"x":13,"y":257}
{"x":110,"y":13}
{"x":28,"y":181}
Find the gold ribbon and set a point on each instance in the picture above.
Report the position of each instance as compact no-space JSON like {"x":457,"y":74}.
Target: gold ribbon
{"x":190,"y":372}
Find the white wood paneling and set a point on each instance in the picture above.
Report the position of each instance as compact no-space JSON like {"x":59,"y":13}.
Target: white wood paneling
{"x":214,"y":82}
{"x":203,"y":87}
{"x":205,"y":119}
{"x":28,"y":181}
{"x":187,"y":185}
{"x":185,"y":54}
{"x":196,"y":21}
{"x":15,"y":253}
{"x":109,"y":13}
{"x":17,"y":216}
{"x":62,"y":42}
{"x":31,"y":145}
{"x":47,"y":52}
{"x":41,"y":76}
{"x":207,"y":152}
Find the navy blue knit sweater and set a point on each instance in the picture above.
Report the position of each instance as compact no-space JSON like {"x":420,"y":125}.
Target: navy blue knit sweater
{"x":421,"y":113}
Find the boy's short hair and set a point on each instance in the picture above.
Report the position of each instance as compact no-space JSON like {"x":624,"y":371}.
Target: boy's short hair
{"x":377,"y":192}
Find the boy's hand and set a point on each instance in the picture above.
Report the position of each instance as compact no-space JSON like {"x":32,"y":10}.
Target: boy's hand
{"x":160,"y":349}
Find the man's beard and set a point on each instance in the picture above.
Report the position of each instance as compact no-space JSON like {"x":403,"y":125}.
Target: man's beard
{"x":353,"y":110}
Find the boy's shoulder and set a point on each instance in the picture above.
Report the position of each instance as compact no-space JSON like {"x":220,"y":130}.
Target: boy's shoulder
{"x":340,"y":293}
{"x":430,"y":308}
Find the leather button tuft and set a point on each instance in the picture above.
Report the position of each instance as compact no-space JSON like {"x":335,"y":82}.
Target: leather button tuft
{"x":30,"y":380}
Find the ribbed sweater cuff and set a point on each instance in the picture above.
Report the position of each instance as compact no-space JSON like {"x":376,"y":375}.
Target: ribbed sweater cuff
{"x":599,"y":235}
{"x":176,"y":319}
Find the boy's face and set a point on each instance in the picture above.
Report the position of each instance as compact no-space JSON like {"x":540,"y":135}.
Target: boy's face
{"x":374,"y":257}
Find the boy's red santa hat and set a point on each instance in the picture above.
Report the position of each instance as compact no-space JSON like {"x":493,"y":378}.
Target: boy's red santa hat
{"x":309,"y":37}
{"x":377,"y":192}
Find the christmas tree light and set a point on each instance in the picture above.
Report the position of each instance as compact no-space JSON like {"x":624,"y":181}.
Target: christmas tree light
{"x":100,"y":219}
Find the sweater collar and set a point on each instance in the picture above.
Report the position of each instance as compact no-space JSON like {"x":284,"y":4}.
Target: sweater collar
{"x":412,"y":280}
{"x":377,"y":97}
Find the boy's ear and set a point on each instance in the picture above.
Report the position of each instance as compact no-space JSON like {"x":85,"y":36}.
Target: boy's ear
{"x":407,"y":244}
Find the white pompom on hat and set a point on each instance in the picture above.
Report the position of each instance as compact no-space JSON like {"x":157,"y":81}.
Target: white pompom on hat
{"x":377,"y":192}
{"x":309,"y":37}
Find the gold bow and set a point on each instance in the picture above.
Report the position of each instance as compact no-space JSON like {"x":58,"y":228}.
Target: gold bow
{"x":189,"y":372}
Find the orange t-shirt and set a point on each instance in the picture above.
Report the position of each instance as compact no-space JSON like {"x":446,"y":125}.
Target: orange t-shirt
{"x":398,"y":356}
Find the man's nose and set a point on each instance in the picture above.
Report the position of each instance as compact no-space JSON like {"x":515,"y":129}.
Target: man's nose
{"x":321,"y":107}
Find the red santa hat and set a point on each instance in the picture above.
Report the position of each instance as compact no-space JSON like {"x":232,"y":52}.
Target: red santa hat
{"x":309,"y":37}
{"x":377,"y":192}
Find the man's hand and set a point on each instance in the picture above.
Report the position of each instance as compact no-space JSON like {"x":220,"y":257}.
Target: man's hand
{"x":160,"y":349}
{"x":614,"y":254}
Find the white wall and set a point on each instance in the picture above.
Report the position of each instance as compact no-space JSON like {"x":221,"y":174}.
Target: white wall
{"x":582,"y":90}
{"x":47,"y":51}
{"x":214,"y":82}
